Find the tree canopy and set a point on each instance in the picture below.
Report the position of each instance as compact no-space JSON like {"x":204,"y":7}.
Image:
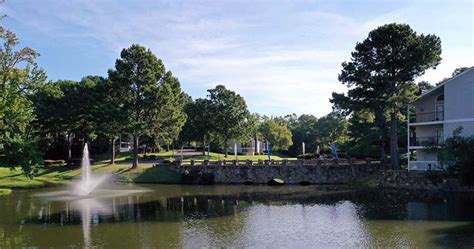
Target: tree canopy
{"x":277,"y":133}
{"x":381,"y":72}
{"x":150,"y":97}
{"x":20,"y":77}
{"x":228,"y":116}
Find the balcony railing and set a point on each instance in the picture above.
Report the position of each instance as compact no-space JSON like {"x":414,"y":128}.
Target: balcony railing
{"x":426,"y":141}
{"x":427,"y":117}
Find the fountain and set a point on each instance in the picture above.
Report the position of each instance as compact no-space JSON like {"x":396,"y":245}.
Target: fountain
{"x":88,"y":182}
{"x":90,"y":185}
{"x":88,"y":195}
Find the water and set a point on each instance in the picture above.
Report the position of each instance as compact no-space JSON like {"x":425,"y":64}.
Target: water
{"x":173,"y":216}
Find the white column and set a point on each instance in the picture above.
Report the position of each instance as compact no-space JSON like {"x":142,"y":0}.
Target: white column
{"x":408,"y":136}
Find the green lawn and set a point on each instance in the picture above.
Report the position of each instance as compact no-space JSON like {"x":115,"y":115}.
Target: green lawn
{"x":217,"y":156}
{"x":5,"y":191}
{"x":14,"y":179}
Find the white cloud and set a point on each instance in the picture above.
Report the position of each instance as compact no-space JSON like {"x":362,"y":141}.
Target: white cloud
{"x":282,"y":58}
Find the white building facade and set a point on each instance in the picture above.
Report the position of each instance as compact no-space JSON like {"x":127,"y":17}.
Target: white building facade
{"x":248,"y":148}
{"x":437,"y":113}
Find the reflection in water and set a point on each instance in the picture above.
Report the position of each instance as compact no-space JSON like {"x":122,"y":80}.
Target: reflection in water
{"x":237,"y":216}
{"x":88,"y":208}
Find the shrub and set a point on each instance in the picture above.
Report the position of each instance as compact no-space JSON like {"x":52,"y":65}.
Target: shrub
{"x":308,"y":156}
{"x":150,"y":157}
{"x":51,"y":163}
{"x":434,"y":176}
{"x":456,"y":155}
{"x":168,"y":160}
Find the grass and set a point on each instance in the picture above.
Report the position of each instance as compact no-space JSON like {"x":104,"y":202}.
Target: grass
{"x":158,"y":175}
{"x":12,"y":178}
{"x":5,"y":191}
{"x":230,"y":157}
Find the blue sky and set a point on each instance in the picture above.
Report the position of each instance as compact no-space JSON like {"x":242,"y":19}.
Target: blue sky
{"x":281,"y":56}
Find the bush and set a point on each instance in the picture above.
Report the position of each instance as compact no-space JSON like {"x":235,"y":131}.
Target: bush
{"x":51,"y":163}
{"x":456,"y":155}
{"x":434,"y":176}
{"x":168,"y":161}
{"x":150,"y":157}
{"x":308,"y":156}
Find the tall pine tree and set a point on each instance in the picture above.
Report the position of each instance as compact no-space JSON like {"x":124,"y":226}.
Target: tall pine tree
{"x":149,"y":97}
{"x":381,"y":72}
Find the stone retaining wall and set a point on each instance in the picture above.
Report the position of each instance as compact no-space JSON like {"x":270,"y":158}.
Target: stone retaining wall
{"x":292,"y":172}
{"x":410,"y":180}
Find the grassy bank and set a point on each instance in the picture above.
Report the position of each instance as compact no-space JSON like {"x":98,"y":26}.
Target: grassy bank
{"x":217,"y":156}
{"x":5,"y":191}
{"x":12,"y":178}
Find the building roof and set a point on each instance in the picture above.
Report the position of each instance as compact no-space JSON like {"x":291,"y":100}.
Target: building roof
{"x":442,"y":84}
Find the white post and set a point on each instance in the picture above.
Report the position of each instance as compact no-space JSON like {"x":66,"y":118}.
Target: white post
{"x":408,"y":136}
{"x":235,"y":150}
{"x":303,"y":150}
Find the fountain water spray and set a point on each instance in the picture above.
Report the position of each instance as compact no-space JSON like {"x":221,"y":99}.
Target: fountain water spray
{"x":86,"y":194}
{"x":88,"y":182}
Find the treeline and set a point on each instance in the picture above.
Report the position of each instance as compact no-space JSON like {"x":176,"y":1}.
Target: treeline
{"x":141,"y":101}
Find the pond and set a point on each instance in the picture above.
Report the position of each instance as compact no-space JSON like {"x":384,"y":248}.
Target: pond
{"x":177,"y":216}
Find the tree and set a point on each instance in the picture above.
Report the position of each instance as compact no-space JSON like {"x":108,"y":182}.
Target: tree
{"x":330,"y":128}
{"x":20,"y":77}
{"x":455,"y":73}
{"x":424,"y":86}
{"x":170,"y":113}
{"x":228,"y":116}
{"x":302,"y":130}
{"x":277,"y":133}
{"x":70,"y":110}
{"x":86,"y":98}
{"x":381,"y":72}
{"x":197,"y":122}
{"x":255,"y":121}
{"x":147,"y":95}
{"x":107,"y":115}
{"x":459,"y":70}
{"x":52,"y":114}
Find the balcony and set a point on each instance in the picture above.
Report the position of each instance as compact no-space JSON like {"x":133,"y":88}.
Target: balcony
{"x":427,"y":141}
{"x":427,"y":117}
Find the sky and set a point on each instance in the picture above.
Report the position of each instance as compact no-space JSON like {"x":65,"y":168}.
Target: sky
{"x":282,"y":56}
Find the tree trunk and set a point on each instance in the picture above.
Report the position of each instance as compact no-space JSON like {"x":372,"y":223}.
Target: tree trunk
{"x":225,"y":148}
{"x":382,"y":149}
{"x":135,"y":152}
{"x":112,"y":156}
{"x":204,"y":145}
{"x":69,"y":151}
{"x":394,"y":142}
